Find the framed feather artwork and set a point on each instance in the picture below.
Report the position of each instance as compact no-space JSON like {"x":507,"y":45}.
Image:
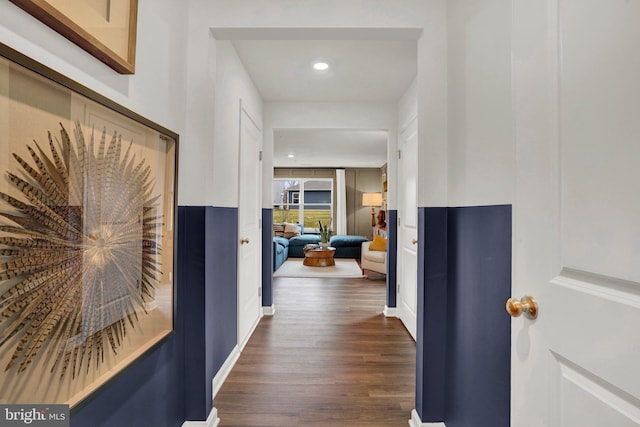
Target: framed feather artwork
{"x":104,"y":28}
{"x":87,"y":204}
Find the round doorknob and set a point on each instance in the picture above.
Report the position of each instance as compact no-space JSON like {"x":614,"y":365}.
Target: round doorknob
{"x":414,"y":241}
{"x":526,"y":305}
{"x":244,"y":240}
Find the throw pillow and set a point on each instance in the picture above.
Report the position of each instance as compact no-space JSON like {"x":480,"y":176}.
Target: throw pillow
{"x":291,"y":230}
{"x":278,"y":229}
{"x":379,"y":243}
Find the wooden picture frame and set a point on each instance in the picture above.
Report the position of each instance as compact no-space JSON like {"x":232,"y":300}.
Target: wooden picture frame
{"x":105,"y":29}
{"x":87,"y":236}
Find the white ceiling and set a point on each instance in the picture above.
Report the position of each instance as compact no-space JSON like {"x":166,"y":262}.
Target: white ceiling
{"x":330,"y":148}
{"x":377,"y":71}
{"x":361,"y":70}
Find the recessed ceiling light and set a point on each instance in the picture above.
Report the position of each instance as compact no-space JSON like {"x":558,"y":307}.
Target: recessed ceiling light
{"x":321,"y":65}
{"x":290,"y":155}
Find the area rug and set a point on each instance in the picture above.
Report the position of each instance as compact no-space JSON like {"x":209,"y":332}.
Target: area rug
{"x":344,"y":268}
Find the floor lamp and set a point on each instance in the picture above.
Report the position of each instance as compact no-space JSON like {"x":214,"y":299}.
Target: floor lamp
{"x":373,"y":200}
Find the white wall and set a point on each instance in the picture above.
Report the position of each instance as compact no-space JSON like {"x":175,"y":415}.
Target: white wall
{"x":464,"y":122}
{"x":407,"y":112}
{"x":232,"y":87}
{"x":216,"y":82}
{"x":228,"y":18}
{"x":481,"y":153}
{"x":155,"y":91}
{"x":432,"y":106}
{"x":464,"y":104}
{"x":280,"y":14}
{"x":175,"y":83}
{"x":408,"y":106}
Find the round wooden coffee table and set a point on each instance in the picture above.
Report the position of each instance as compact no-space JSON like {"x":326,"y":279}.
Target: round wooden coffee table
{"x":319,"y":257}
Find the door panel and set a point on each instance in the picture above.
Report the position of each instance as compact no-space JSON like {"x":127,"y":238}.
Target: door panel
{"x":599,"y":131}
{"x":407,"y":227}
{"x":579,"y":390}
{"x":408,"y":291}
{"x":249,"y":213}
{"x":577,"y":213}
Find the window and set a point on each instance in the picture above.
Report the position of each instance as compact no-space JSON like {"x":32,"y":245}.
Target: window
{"x":305,"y":200}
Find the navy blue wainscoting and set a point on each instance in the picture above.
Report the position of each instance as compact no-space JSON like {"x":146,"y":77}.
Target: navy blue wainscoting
{"x":221,"y":297}
{"x":267,"y":257}
{"x":207,"y":245}
{"x":148,"y":393}
{"x":432,"y":313}
{"x":479,"y":329}
{"x":464,"y":335}
{"x":392,"y":255}
{"x":192,"y":257}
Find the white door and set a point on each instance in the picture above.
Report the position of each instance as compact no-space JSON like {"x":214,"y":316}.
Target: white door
{"x":407,"y":227}
{"x":249,"y":249}
{"x":577,"y":213}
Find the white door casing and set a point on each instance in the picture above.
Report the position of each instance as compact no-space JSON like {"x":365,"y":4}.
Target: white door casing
{"x":577,"y":213}
{"x":249,"y":248}
{"x":407,"y":275}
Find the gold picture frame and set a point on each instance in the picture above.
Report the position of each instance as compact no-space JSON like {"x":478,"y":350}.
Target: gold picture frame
{"x":104,"y":28}
{"x":87,"y":235}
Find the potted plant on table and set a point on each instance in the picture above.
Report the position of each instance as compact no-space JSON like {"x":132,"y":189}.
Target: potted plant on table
{"x":325,"y":233}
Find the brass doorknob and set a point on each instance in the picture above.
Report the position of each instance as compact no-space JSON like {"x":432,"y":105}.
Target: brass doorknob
{"x":244,"y":240}
{"x":414,"y":241}
{"x":526,"y":305}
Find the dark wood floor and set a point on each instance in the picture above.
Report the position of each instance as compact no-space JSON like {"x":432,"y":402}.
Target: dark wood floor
{"x":328,"y":357}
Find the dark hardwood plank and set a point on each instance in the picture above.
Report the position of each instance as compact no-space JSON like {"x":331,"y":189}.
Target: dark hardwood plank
{"x":328,"y":357}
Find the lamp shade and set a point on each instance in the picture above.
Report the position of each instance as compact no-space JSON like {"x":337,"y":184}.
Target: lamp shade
{"x":371,"y":199}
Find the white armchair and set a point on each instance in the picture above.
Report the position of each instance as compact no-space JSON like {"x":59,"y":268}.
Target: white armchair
{"x":372,"y":260}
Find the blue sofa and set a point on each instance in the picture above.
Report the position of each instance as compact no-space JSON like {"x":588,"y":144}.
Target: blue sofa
{"x":283,"y":248}
{"x":297,"y":244}
{"x":347,"y":246}
{"x":280,"y":251}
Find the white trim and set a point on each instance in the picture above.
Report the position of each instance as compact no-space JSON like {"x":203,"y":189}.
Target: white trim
{"x":250,"y":116}
{"x":212,"y":420}
{"x":239,"y":282}
{"x":410,"y":120}
{"x":251,"y":331}
{"x":390,"y":311}
{"x":341,"y":202}
{"x":224,"y":371}
{"x":269,"y":311}
{"x":415,"y":421}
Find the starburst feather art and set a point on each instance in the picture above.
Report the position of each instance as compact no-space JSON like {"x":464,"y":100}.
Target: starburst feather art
{"x":86,"y":238}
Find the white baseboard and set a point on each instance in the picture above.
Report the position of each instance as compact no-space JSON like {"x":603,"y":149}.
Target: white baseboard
{"x":212,"y":420}
{"x":228,"y":364}
{"x":390,"y":311}
{"x":415,"y":421}
{"x":244,"y":342}
{"x":269,"y":311}
{"x":224,"y":370}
